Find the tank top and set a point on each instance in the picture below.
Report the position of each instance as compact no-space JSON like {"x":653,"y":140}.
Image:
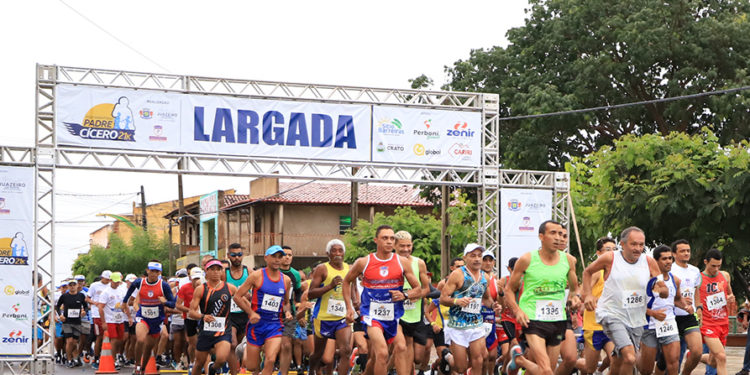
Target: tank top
{"x":412,"y":309}
{"x":234,"y":309}
{"x":331,"y":304}
{"x":589,"y":317}
{"x":442,"y":313}
{"x":543,"y":297}
{"x":624,"y":293}
{"x":488,"y":314}
{"x":268,"y":300}
{"x":378,"y":279}
{"x":469,"y":316}
{"x":507,"y":314}
{"x":714,"y":299}
{"x":657,"y":303}
{"x":215,"y":301}
{"x":150,"y":306}
{"x":690,"y":278}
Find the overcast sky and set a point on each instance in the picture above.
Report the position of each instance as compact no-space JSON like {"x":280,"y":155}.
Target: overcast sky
{"x":377,"y":44}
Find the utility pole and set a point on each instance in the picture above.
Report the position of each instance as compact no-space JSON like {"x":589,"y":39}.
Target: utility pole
{"x":354,"y":209}
{"x":143,"y":209}
{"x":445,"y":238}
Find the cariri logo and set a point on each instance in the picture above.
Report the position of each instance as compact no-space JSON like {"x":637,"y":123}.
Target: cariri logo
{"x":146,"y":113}
{"x":514,"y":205}
{"x":419,"y":149}
{"x":3,"y":210}
{"x":106,"y":121}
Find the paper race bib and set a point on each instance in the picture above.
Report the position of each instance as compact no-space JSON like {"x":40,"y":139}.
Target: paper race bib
{"x":74,"y":313}
{"x":233,"y":307}
{"x":217,"y":325}
{"x":178,"y":319}
{"x":633,"y":299}
{"x":119,"y":316}
{"x":487,"y":327}
{"x":474,"y":307}
{"x":271,"y":303}
{"x":382,"y":311}
{"x":716,"y":301}
{"x":667,"y":327}
{"x":688,"y":293}
{"x":409,"y":305}
{"x":336,"y":307}
{"x":549,"y":310}
{"x":150,"y":312}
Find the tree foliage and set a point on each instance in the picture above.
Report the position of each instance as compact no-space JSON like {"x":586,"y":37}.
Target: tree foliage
{"x":673,"y":187}
{"x":424,"y":229}
{"x":123,"y":256}
{"x":574,"y":54}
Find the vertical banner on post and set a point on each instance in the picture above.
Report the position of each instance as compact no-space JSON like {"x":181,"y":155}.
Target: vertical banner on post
{"x":522,"y":210}
{"x":16,"y":257}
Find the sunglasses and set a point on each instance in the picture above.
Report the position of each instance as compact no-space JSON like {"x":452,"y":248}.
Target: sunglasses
{"x":235,"y":254}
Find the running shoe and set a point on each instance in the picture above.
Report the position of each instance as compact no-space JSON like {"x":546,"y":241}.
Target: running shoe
{"x":514,"y":352}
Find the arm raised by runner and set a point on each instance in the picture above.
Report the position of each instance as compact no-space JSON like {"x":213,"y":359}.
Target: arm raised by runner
{"x":455,"y":281}
{"x":316,"y":289}
{"x":240,"y":298}
{"x":660,"y":286}
{"x":511,"y":287}
{"x":346,"y":288}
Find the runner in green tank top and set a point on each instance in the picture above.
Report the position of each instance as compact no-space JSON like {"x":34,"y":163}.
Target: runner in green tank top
{"x":236,"y":274}
{"x":541,"y":311}
{"x":415,"y":331}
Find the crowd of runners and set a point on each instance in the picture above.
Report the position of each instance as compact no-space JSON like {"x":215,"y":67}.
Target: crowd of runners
{"x":381,"y":314}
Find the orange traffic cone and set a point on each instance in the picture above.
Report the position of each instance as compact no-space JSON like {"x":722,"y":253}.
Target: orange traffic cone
{"x":106,"y":361}
{"x":151,"y":367}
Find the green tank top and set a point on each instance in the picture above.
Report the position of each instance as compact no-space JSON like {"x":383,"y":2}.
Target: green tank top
{"x":412,"y":309}
{"x":544,"y":289}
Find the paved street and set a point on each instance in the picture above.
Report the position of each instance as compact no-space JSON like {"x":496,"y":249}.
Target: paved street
{"x":735,"y":356}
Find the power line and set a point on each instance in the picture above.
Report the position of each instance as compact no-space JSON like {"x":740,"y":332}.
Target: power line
{"x":115,"y":37}
{"x":97,"y":195}
{"x":624,"y":105}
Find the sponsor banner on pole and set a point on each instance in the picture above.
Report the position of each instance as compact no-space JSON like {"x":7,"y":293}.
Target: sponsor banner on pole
{"x":426,"y":136}
{"x":16,"y":247}
{"x":521,"y":213}
{"x":151,"y":120}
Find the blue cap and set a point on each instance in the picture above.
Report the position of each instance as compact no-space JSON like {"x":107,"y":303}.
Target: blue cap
{"x":274,"y":249}
{"x":156,"y":266}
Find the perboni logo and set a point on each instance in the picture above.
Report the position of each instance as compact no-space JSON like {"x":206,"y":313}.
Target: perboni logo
{"x":14,"y":313}
{"x":3,"y":210}
{"x":146,"y":113}
{"x":391,"y":127}
{"x":107,"y":121}
{"x":15,"y":337}
{"x":429,"y":134}
{"x":514,"y":205}
{"x":461,"y":130}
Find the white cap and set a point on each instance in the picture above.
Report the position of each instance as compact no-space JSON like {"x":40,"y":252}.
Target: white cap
{"x":196,"y":273}
{"x":106,"y":274}
{"x":488,"y":253}
{"x":131,"y":277}
{"x":471,"y":247}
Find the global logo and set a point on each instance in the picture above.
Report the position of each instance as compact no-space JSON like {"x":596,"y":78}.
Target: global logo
{"x":461,"y":130}
{"x":420,"y":150}
{"x":146,"y":114}
{"x":3,"y":210}
{"x":391,"y":127}
{"x":380,"y":147}
{"x":158,"y":134}
{"x":106,"y":121}
{"x":514,"y":205}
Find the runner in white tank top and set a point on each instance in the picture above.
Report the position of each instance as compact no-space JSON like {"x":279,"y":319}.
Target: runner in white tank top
{"x":687,"y":324}
{"x":622,"y":306}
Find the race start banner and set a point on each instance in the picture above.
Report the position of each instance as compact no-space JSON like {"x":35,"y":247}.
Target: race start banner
{"x":521,"y":213}
{"x":151,"y":120}
{"x":16,"y":242}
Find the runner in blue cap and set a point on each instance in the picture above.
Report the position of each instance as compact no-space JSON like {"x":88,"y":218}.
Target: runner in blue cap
{"x":270,"y":303}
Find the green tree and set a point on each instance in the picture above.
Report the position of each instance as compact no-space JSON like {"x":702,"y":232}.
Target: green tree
{"x":573,"y":54}
{"x":424,"y":229}
{"x":678,"y":186}
{"x":122,"y":256}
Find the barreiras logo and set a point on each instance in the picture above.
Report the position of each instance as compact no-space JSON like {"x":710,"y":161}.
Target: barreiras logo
{"x":461,"y":130}
{"x":3,"y":210}
{"x":106,"y":121}
{"x":514,"y":205}
{"x":391,"y":127}
{"x":15,"y":337}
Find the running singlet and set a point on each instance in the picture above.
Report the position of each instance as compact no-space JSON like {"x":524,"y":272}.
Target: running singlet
{"x":238,"y":283}
{"x":624,"y":293}
{"x":412,"y":309}
{"x":657,"y":303}
{"x":714,"y":298}
{"x":488,"y":314}
{"x":331,"y":304}
{"x":148,"y":295}
{"x":507,"y":314}
{"x":268,"y":300}
{"x":215,"y":301}
{"x":589,"y":317}
{"x":543,"y":298}
{"x":470,"y":315}
{"x":690,"y":278}
{"x":378,"y":279}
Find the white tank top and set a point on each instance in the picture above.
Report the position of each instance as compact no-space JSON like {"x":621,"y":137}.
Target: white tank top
{"x":657,"y":303}
{"x":690,"y":278}
{"x":624,"y":294}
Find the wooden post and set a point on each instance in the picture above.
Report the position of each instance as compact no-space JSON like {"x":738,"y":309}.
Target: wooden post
{"x":354,"y":209}
{"x":445,"y":239}
{"x":181,"y":212}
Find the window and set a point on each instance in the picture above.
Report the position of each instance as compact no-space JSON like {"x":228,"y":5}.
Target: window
{"x":345,"y":222}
